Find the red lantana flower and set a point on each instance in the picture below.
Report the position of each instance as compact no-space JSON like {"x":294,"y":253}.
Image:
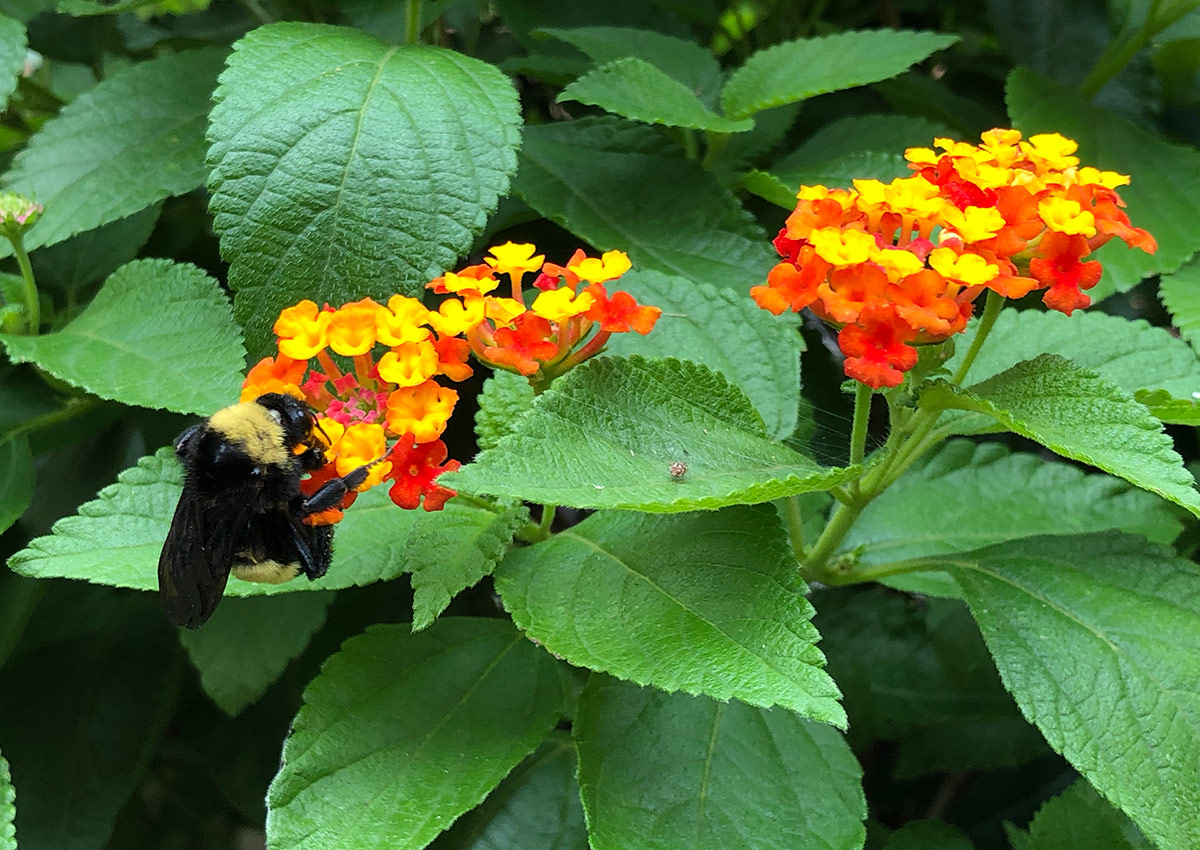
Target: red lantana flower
{"x":414,"y":474}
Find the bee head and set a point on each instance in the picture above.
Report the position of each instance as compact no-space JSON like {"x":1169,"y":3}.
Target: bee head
{"x":293,"y":415}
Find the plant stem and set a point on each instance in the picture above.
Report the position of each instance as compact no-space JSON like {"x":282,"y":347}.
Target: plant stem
{"x":794,"y":520}
{"x":412,"y":22}
{"x":33,"y":306}
{"x":691,"y":148}
{"x":1113,"y":60}
{"x":858,"y":431}
{"x":548,"y":512}
{"x":904,"y":447}
{"x":990,"y":311}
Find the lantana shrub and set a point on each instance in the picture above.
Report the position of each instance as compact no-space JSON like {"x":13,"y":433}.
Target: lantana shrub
{"x":777,"y":431}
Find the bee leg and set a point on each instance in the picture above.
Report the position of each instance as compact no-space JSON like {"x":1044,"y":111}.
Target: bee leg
{"x":332,"y":492}
{"x":314,"y":547}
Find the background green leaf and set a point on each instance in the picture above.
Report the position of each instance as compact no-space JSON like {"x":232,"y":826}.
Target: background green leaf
{"x":1098,"y":639}
{"x":248,"y":642}
{"x":916,"y":671}
{"x":537,"y":805}
{"x":667,"y":771}
{"x":728,"y":333}
{"x":1135,"y":356}
{"x":1180,"y":294}
{"x":636,"y":89}
{"x":116,"y":539}
{"x":857,"y":146}
{"x":78,"y":741}
{"x":601,"y":179}
{"x":452,"y":549}
{"x":986,"y":495}
{"x":134,"y":139}
{"x":1080,"y":819}
{"x":342,"y":167}
{"x":1163,"y":195}
{"x":16,"y":479}
{"x":703,"y":603}
{"x":928,"y":835}
{"x":401,"y":733}
{"x":12,"y":55}
{"x":606,"y":435}
{"x":158,"y":334}
{"x":800,"y":69}
{"x":8,"y":808}
{"x":1079,"y":415}
{"x":69,"y":266}
{"x":684,"y":61}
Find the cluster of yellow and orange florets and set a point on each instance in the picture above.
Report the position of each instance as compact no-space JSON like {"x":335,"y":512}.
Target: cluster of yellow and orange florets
{"x":901,"y":263}
{"x":361,"y":400}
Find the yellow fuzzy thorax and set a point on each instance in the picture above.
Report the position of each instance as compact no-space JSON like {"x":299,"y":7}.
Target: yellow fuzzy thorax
{"x":253,"y":427}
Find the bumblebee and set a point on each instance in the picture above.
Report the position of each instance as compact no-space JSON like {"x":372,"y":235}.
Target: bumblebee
{"x":242,"y":509}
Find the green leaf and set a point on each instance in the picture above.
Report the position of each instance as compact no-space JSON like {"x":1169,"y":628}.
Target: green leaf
{"x":1079,"y":415}
{"x":16,"y":479}
{"x":8,"y":808}
{"x":800,"y":69}
{"x":602,"y":180}
{"x":504,"y":399}
{"x":158,"y":334}
{"x":343,"y":167}
{"x":672,"y":772}
{"x":861,"y":146}
{"x":101,"y":7}
{"x":911,"y":668}
{"x":437,"y":717}
{"x":81,"y":720}
{"x":1080,"y":819}
{"x":95,"y":254}
{"x":928,"y":835}
{"x":452,"y":549}
{"x":684,"y":61}
{"x":135,"y":138}
{"x":1098,"y":639}
{"x":1134,"y":356}
{"x":1164,"y":195}
{"x":606,"y":435}
{"x":703,"y":603}
{"x":12,"y":55}
{"x":536,"y":806}
{"x":1171,"y":411}
{"x":769,"y":187}
{"x":116,"y":539}
{"x":242,"y":650}
{"x":636,"y":89}
{"x":1180,"y":294}
{"x":726,"y":332}
{"x":987,"y":494}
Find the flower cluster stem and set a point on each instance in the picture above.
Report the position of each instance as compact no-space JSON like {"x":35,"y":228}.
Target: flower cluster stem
{"x":903,"y":449}
{"x":991,"y":310}
{"x":412,"y":22}
{"x":33,"y":306}
{"x":858,"y":432}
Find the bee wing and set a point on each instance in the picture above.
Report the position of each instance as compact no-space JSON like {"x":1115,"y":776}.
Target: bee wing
{"x":197,"y":556}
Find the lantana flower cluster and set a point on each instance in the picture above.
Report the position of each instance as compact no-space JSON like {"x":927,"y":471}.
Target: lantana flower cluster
{"x":372,"y":372}
{"x":899,"y":264}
